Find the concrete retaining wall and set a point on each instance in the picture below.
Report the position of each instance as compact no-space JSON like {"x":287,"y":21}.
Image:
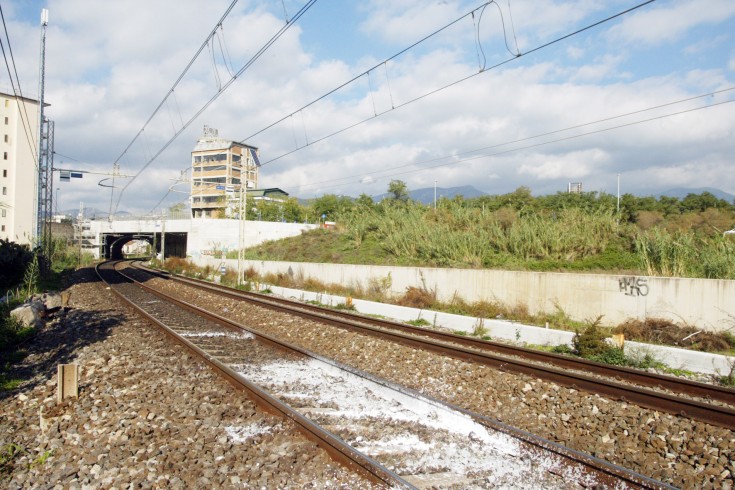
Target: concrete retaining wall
{"x":708,"y":304}
{"x":700,"y":362}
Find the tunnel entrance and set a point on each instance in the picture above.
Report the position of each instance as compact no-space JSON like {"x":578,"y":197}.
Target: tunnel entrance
{"x":172,"y":244}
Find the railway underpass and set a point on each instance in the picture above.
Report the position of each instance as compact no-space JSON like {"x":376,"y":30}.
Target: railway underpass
{"x":169,"y":244}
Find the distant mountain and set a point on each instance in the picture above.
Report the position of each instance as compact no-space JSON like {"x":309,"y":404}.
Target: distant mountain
{"x":92,"y":213}
{"x":426,"y":195}
{"x":682,"y":192}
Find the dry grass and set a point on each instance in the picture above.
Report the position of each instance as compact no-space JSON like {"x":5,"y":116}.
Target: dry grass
{"x":417,"y":298}
{"x":666,"y":332}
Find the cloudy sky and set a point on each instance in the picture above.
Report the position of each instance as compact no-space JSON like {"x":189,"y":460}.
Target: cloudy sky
{"x":344,"y":100}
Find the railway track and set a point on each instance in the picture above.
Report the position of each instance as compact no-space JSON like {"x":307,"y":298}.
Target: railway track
{"x":659,"y":392}
{"x":411,"y":447}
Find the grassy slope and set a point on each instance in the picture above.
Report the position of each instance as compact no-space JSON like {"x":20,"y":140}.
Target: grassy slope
{"x":332,"y":246}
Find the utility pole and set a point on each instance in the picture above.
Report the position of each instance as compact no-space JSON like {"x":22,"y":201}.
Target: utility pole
{"x":618,"y":198}
{"x":242,"y":217}
{"x":42,"y":184}
{"x":163,"y":236}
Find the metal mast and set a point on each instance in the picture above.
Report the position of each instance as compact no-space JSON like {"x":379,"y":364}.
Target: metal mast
{"x":43,"y":186}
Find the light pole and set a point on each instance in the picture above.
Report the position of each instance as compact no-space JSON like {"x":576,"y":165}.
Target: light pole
{"x":435,"y":196}
{"x":241,"y":236}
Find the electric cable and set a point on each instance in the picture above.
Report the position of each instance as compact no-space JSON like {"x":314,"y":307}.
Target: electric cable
{"x":344,"y":180}
{"x":437,"y":90}
{"x":25,"y":121}
{"x":247,"y":65}
{"x":176,"y":83}
{"x":357,"y":77}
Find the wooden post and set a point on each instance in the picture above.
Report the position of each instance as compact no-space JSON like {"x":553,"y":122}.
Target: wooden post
{"x":67,"y":377}
{"x":619,"y":340}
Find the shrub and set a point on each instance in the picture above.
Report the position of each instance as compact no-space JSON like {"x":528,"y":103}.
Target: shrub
{"x":590,"y":342}
{"x":611,"y":355}
{"x":14,"y":259}
{"x":417,"y":298}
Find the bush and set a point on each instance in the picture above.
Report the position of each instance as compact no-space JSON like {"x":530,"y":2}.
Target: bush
{"x":612,"y":355}
{"x":590,"y":342}
{"x":417,"y":298}
{"x":562,"y":349}
{"x":14,"y":259}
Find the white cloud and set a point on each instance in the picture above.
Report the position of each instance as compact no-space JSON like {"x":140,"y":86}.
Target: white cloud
{"x":666,"y":22}
{"x":573,"y":165}
{"x":121,"y":69}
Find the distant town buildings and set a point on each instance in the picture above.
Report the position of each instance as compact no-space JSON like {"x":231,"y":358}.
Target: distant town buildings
{"x":574,"y":188}
{"x":18,"y":167}
{"x":219,"y":169}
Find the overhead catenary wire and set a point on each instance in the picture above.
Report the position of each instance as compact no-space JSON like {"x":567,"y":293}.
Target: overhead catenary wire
{"x":26,"y":123}
{"x":357,"y":77}
{"x":178,"y":80}
{"x":568,"y":138}
{"x":393,"y":167}
{"x":515,"y":56}
{"x":224,"y":87}
{"x":431,"y":92}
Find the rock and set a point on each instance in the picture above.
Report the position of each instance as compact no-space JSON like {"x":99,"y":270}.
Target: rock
{"x":28,"y":314}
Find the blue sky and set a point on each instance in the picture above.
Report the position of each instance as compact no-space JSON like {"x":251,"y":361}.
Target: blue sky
{"x":109,"y":64}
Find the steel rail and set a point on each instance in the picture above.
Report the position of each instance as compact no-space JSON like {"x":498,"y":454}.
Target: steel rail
{"x":496,"y":354}
{"x":338,"y":450}
{"x":607,"y":473}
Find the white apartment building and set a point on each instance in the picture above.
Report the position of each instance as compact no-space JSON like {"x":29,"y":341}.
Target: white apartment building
{"x":219,"y":167}
{"x":18,"y":173}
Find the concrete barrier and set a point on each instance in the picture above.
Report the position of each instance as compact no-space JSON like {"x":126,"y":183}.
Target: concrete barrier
{"x":708,"y":304}
{"x":699,"y":362}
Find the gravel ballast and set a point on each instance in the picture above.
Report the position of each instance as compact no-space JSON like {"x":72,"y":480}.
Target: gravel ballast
{"x":148,"y":415}
{"x":676,"y":450}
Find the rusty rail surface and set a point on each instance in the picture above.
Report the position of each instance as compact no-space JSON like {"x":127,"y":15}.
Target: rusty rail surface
{"x":606,"y":473}
{"x":338,"y":450}
{"x":568,"y":371}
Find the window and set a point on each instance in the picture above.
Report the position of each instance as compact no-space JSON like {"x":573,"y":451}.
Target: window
{"x":5,"y":191}
{"x":215,"y":180}
{"x":6,"y":121}
{"x":5,"y":173}
{"x":4,"y":212}
{"x":6,"y":138}
{"x":5,"y":155}
{"x":3,"y":228}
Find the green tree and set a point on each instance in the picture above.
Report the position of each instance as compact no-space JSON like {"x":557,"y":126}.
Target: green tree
{"x":365,"y":201}
{"x":703,"y":201}
{"x":331,"y":205}
{"x":398,"y":191}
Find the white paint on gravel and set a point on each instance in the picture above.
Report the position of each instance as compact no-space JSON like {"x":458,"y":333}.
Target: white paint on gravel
{"x":428,"y":436}
{"x":246,"y":432}
{"x":229,"y":335}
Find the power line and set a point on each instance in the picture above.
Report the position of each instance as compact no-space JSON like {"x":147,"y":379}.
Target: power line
{"x":25,"y":121}
{"x":176,"y":83}
{"x":435,"y":91}
{"x":536,"y":145}
{"x":528,"y":138}
{"x":222,"y":89}
{"x":366,"y":72}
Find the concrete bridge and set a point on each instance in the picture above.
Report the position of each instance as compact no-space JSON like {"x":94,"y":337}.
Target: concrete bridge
{"x":183,"y":237}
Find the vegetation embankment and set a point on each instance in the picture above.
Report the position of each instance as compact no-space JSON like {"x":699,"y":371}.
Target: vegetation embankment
{"x":562,"y":232}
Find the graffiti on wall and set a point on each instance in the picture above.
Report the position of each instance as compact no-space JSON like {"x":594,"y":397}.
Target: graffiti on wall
{"x":633,"y":286}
